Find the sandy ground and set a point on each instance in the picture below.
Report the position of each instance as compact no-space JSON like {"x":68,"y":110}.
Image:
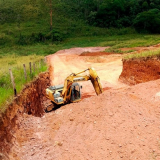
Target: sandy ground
{"x":121,"y":123}
{"x":65,"y":62}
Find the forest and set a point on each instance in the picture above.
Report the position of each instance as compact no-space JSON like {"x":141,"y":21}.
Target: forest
{"x":26,"y":22}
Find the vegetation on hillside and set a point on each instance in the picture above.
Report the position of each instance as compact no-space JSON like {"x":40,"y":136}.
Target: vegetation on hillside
{"x":143,"y":54}
{"x":28,"y":22}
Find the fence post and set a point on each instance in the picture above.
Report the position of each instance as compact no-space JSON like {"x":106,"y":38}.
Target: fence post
{"x":13,"y":84}
{"x":30,"y":68}
{"x":34,"y":68}
{"x":25,"y":74}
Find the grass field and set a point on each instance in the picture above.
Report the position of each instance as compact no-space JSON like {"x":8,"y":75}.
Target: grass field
{"x":15,"y":63}
{"x":114,"y":41}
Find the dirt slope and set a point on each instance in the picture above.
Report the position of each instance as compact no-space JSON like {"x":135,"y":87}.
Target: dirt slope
{"x":119,"y":124}
{"x":140,"y":70}
{"x":122,"y":123}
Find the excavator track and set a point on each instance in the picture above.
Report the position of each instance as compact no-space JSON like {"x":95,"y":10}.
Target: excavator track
{"x":49,"y":106}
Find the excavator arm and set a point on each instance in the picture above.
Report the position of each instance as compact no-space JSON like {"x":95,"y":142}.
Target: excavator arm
{"x":95,"y":81}
{"x":76,"y":78}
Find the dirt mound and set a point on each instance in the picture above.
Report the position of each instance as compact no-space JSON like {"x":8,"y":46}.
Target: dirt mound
{"x":140,"y":70}
{"x":80,"y":50}
{"x":95,"y":53}
{"x":121,"y":123}
{"x":118,"y":124}
{"x":30,"y":101}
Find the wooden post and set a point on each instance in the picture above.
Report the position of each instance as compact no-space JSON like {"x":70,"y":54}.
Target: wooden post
{"x":13,"y":84}
{"x":25,"y":73}
{"x":30,"y":68}
{"x":34,"y":67}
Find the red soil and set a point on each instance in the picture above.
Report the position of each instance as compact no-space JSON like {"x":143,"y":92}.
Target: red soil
{"x":30,"y":101}
{"x":118,"y":124}
{"x":140,"y":70}
{"x":121,"y":123}
{"x":95,"y":53}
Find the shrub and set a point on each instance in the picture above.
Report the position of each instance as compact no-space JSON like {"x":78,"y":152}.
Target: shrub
{"x":55,"y":36}
{"x":4,"y":39}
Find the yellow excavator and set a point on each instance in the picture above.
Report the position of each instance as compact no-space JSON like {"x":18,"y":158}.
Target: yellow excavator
{"x":71,"y":90}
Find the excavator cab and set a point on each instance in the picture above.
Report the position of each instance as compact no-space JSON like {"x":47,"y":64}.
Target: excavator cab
{"x":75,"y":92}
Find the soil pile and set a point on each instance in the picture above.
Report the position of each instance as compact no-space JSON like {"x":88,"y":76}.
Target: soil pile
{"x":94,"y":53}
{"x":118,"y":124}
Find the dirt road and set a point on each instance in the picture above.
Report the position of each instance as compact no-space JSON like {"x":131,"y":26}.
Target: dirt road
{"x":75,"y":60}
{"x":121,"y":123}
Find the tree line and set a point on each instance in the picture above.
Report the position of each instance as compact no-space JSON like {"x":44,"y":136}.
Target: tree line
{"x":143,"y":15}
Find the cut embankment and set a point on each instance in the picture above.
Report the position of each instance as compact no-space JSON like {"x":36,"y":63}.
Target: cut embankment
{"x":30,"y":101}
{"x":140,"y":70}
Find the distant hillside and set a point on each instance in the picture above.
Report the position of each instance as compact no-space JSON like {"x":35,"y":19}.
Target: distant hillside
{"x":27,"y":21}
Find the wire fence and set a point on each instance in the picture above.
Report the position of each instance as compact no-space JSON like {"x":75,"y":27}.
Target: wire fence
{"x":12,"y":82}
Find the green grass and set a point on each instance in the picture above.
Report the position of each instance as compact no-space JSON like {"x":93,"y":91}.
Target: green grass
{"x":134,"y":40}
{"x":16,"y":64}
{"x":144,"y":54}
{"x":115,"y":42}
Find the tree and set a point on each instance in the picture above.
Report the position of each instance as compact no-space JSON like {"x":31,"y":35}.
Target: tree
{"x":148,"y":20}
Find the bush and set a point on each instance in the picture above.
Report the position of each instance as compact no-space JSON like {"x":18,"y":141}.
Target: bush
{"x":148,"y":21}
{"x":52,"y":36}
{"x":55,"y":36}
{"x":22,"y":40}
{"x":4,"y":39}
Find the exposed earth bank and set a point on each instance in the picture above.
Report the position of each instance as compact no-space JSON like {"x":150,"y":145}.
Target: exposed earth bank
{"x":140,"y":70}
{"x":121,"y":123}
{"x":32,"y":102}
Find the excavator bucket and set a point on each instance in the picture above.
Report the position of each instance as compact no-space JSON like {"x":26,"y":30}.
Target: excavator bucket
{"x":95,"y":81}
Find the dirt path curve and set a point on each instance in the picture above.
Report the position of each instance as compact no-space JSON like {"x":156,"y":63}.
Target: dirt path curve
{"x":68,"y":61}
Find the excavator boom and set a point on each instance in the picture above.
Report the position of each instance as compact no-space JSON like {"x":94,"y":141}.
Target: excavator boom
{"x":76,"y":77}
{"x":95,"y":81}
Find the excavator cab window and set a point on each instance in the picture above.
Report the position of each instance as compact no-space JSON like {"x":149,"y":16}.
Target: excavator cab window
{"x":75,"y":92}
